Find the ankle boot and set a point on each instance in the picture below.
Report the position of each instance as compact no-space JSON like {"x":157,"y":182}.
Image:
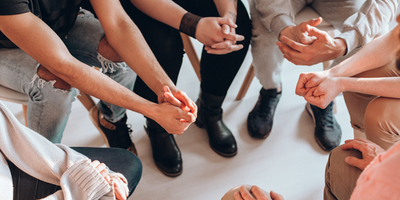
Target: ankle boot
{"x":209,"y":116}
{"x":166,"y":153}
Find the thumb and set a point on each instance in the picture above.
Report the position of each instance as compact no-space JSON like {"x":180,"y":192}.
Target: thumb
{"x":353,"y":161}
{"x":314,"y":22}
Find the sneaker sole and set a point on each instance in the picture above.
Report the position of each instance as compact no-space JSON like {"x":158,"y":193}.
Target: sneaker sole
{"x":94,"y":117}
{"x":310,"y":112}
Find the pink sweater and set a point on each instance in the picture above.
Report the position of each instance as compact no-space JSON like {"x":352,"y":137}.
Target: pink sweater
{"x":381,"y":179}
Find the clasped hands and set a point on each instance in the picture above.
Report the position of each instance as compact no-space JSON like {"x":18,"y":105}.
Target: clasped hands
{"x":177,"y":111}
{"x":218,"y":35}
{"x":305,"y":44}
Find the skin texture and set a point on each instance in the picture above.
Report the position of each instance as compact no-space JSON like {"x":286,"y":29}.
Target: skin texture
{"x":305,"y":44}
{"x":216,"y":33}
{"x":244,"y":194}
{"x":124,"y":37}
{"x":368,"y":149}
{"x":320,"y":88}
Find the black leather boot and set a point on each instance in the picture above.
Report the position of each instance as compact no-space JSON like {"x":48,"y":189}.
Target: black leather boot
{"x":209,"y":116}
{"x":166,"y":153}
{"x":260,"y":119}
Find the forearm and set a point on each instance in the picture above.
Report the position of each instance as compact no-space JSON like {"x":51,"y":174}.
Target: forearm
{"x":165,"y":11}
{"x":377,"y":53}
{"x":227,"y":8}
{"x":385,"y":87}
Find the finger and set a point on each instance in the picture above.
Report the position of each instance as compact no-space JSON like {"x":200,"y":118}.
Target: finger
{"x":222,"y":45}
{"x":172,"y":100}
{"x":226,"y":21}
{"x":314,"y":22}
{"x":353,"y":161}
{"x":301,"y":85}
{"x":119,"y":193}
{"x":258,"y":193}
{"x":95,"y":163}
{"x":292,"y":44}
{"x":225,"y":29}
{"x":313,"y":31}
{"x":353,"y":144}
{"x":239,"y":37}
{"x":237,"y":196}
{"x":225,"y":51}
{"x":188,"y":103}
{"x":245,"y":193}
{"x":275,"y":196}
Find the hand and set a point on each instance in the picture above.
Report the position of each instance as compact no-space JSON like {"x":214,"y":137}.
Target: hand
{"x":244,"y":194}
{"x":299,"y":33}
{"x":120,"y":189}
{"x":322,"y":49}
{"x":179,"y":99}
{"x":310,"y":80}
{"x":324,"y":93}
{"x":172,"y":118}
{"x":102,"y":169}
{"x":368,"y":149}
{"x":210,"y":31}
{"x":120,"y":186}
{"x":226,"y":46}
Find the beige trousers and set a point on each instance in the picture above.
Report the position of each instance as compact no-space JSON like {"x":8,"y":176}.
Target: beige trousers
{"x":377,"y":117}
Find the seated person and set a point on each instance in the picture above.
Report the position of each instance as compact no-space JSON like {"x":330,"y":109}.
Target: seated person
{"x":46,"y":49}
{"x":369,"y":81}
{"x":359,"y":21}
{"x":31,"y":167}
{"x":357,"y":170}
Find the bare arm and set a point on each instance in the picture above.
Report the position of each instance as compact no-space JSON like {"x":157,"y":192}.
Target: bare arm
{"x":40,"y":42}
{"x":377,"y":53}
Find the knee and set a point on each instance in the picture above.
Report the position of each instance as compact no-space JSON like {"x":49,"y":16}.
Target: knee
{"x":381,"y":121}
{"x":134,"y":171}
{"x":46,"y":75}
{"x":107,"y":51}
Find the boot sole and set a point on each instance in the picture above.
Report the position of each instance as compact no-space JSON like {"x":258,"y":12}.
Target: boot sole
{"x":310,"y":112}
{"x":200,"y":125}
{"x":94,"y":117}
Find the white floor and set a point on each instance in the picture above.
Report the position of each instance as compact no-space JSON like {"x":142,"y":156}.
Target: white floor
{"x":289,"y":161}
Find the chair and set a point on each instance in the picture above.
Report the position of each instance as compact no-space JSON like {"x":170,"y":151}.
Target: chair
{"x":13,"y":96}
{"x":306,"y":14}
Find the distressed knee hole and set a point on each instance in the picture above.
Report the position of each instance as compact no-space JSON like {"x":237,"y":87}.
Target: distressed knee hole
{"x":57,"y":82}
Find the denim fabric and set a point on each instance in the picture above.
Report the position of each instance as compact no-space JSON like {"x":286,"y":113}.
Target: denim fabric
{"x":27,"y":187}
{"x":49,"y":107}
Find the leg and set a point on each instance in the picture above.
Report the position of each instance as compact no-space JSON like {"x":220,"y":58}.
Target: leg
{"x":358,"y":104}
{"x":340,"y":178}
{"x":217,"y":73}
{"x":87,"y":43}
{"x":267,"y":62}
{"x":49,"y":106}
{"x":28,"y":187}
{"x":167,"y":46}
{"x":382,"y":121}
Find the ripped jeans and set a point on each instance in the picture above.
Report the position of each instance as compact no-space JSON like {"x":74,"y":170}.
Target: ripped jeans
{"x":49,"y":107}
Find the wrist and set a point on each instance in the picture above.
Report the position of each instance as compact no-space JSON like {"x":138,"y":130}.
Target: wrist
{"x":286,"y":31}
{"x":341,"y":47}
{"x":189,"y":23}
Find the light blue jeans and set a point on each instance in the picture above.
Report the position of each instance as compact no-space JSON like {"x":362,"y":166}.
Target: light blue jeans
{"x":49,"y":107}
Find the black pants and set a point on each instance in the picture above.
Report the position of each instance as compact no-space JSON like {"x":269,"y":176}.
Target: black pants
{"x":217,"y":71}
{"x":27,"y":187}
